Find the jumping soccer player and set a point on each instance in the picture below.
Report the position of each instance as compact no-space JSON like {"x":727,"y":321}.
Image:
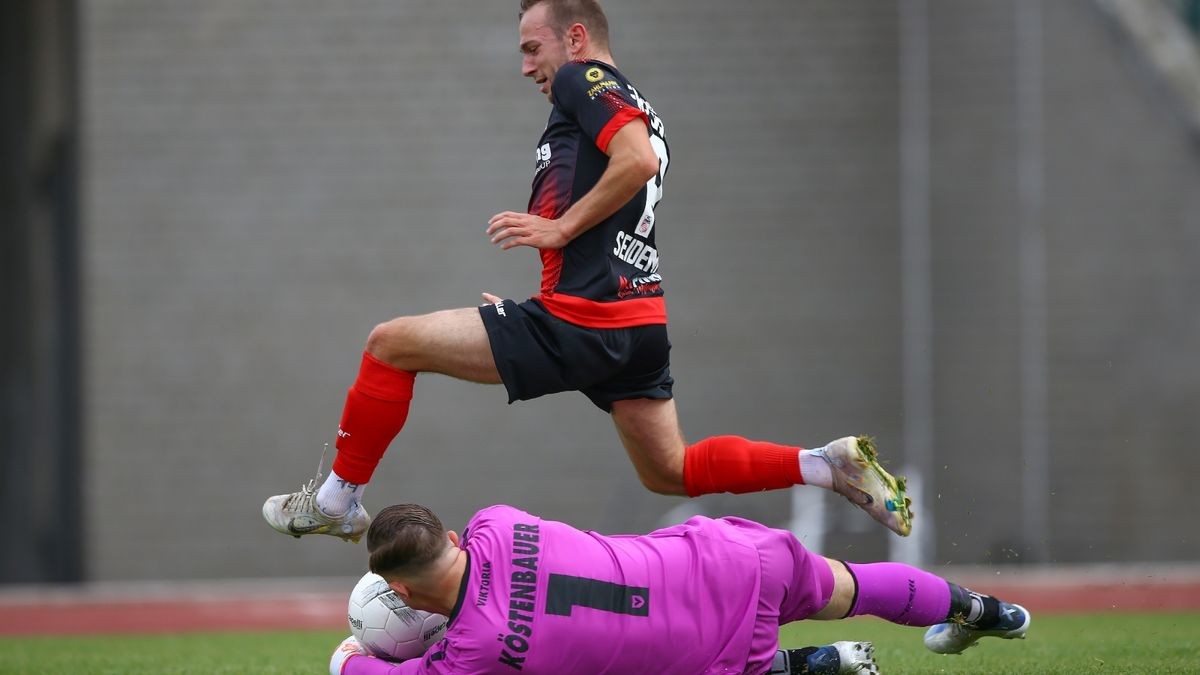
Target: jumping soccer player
{"x":708,"y":596}
{"x":598,"y":326}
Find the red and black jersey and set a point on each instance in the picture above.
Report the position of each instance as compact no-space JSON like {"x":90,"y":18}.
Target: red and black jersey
{"x":608,"y":276}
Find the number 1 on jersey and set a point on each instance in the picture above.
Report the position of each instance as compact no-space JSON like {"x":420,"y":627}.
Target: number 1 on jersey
{"x":564,"y":592}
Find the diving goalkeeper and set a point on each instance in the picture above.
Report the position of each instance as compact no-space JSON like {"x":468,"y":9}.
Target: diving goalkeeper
{"x":529,"y":595}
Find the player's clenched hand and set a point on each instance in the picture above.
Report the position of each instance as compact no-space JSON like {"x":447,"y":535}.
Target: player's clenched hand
{"x":509,"y":229}
{"x":344,"y":651}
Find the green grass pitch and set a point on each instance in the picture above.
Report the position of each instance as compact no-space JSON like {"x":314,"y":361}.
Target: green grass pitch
{"x":1095,"y":643}
{"x":1108,"y":643}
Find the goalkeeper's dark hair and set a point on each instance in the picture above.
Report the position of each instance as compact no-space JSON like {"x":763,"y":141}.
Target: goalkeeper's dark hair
{"x":564,"y":13}
{"x":404,"y":539}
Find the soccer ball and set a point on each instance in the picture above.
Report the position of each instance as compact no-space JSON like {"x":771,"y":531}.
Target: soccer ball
{"x":387,"y":627}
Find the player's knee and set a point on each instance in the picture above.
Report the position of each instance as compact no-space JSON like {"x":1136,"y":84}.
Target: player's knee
{"x":388,"y":341}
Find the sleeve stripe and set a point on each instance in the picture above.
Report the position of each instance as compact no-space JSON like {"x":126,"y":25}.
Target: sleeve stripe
{"x":624,"y":116}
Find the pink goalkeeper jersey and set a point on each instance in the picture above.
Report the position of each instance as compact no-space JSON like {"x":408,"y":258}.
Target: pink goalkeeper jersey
{"x":543,"y":597}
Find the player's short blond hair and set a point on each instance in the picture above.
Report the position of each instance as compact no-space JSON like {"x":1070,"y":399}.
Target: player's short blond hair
{"x":564,"y":13}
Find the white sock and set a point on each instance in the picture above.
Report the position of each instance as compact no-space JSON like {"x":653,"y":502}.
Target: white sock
{"x":815,"y":470}
{"x":337,"y":496}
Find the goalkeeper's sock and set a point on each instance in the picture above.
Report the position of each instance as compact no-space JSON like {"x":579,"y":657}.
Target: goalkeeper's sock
{"x":376,"y":409}
{"x":976,"y":610}
{"x":899,"y":593}
{"x":735,"y":464}
{"x":806,"y":661}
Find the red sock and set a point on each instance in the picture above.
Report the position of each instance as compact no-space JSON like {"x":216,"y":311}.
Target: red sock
{"x":376,"y":408}
{"x":734,"y":464}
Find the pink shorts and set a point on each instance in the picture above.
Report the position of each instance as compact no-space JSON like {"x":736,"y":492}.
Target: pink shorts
{"x":796,"y":584}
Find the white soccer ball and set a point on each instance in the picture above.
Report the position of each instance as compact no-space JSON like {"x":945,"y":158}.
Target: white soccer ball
{"x":387,"y":627}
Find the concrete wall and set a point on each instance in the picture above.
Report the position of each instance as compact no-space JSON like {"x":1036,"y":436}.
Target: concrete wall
{"x":268,"y":180}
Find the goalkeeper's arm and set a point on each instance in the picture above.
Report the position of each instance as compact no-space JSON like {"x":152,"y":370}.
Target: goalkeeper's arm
{"x":351,"y":659}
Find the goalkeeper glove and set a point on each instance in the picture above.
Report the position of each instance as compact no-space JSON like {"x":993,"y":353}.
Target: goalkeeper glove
{"x":344,"y":651}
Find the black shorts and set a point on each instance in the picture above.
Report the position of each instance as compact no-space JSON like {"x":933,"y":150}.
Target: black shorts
{"x":538,"y":354}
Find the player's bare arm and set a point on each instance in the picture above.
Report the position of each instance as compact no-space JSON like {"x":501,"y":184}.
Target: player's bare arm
{"x":631,"y":163}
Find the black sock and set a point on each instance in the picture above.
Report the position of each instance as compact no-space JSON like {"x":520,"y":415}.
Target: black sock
{"x":806,"y":661}
{"x":973,"y":609}
{"x":814,"y":661}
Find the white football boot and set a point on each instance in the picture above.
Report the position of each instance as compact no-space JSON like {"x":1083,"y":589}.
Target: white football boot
{"x":858,"y":476}
{"x":297,"y":514}
{"x":953,"y":637}
{"x":856,"y":657}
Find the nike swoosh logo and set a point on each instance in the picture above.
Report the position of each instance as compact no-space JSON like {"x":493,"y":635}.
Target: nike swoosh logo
{"x":867,"y":499}
{"x":303,"y":529}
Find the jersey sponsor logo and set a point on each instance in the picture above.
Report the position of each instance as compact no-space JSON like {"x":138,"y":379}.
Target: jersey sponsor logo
{"x":485,"y":584}
{"x":594,"y":74}
{"x":597,"y":89}
{"x":543,"y":158}
{"x":522,"y":596}
{"x":639,"y":286}
{"x":636,"y":252}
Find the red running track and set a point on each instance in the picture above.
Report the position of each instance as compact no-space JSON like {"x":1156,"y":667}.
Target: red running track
{"x":83,"y":611}
{"x":97,"y":616}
